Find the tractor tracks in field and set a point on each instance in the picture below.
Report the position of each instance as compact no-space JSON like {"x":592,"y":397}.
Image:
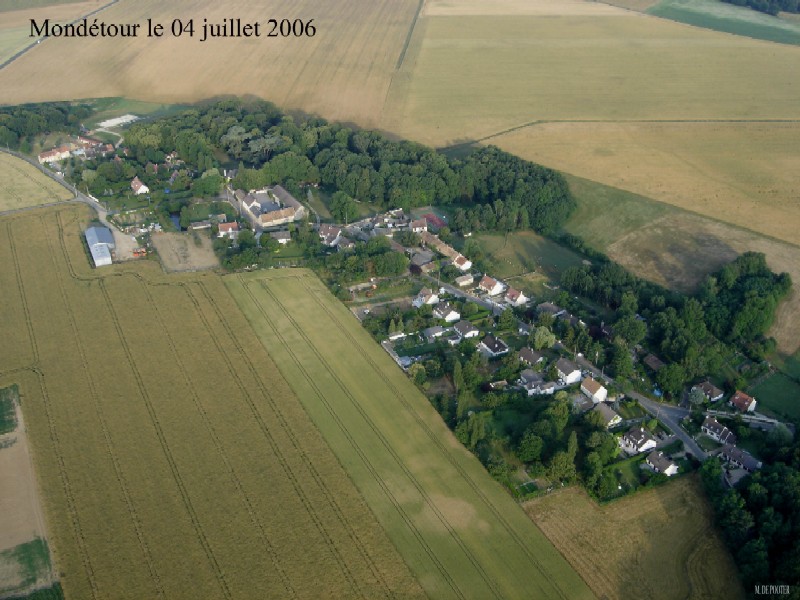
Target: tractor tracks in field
{"x":287,"y":429}
{"x":433,"y":437}
{"x":120,"y":477}
{"x":361,"y":453}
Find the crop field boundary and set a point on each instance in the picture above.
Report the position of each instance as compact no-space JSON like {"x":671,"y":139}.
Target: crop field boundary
{"x":266,"y":306}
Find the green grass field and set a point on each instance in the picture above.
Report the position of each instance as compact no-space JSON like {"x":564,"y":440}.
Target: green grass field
{"x":173,"y":460}
{"x":456,"y":528}
{"x":719,"y":16}
{"x":780,"y":395}
{"x":109,"y":108}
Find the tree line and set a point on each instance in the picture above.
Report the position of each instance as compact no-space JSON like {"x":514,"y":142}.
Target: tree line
{"x":19,"y":124}
{"x":771,"y":7}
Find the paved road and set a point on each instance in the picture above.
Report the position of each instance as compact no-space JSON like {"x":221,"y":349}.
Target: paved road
{"x":671,"y":416}
{"x":459,"y":293}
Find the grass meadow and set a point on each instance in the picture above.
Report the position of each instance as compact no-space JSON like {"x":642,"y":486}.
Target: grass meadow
{"x":780,"y":395}
{"x":457,"y":529}
{"x":173,"y":459}
{"x":24,"y":185}
{"x":658,"y":543}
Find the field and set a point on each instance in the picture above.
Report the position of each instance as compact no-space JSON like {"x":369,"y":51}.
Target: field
{"x":16,"y":28}
{"x":658,"y":543}
{"x":185,"y":251}
{"x":713,"y":14}
{"x":173,"y":459}
{"x":526,"y":260}
{"x":459,"y":532}
{"x":24,"y":185}
{"x":343,"y":72}
{"x":779,"y":394}
{"x":677,"y":248}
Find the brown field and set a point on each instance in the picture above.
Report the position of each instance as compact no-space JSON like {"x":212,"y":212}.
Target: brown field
{"x":656,"y":544}
{"x":549,"y":8}
{"x":747,"y":174}
{"x":180,"y":251}
{"x":23,"y":185}
{"x":173,"y":459}
{"x":15,"y":29}
{"x":343,"y":72}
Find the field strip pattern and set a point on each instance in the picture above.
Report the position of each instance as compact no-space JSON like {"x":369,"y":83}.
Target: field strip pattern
{"x":460,"y":533}
{"x":174,"y":461}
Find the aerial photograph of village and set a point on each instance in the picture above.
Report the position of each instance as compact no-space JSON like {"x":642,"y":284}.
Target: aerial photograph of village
{"x":393,"y":299}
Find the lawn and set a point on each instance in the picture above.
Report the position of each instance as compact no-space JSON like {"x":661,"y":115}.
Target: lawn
{"x":658,"y":543}
{"x":780,"y":395}
{"x":523,"y":252}
{"x":173,"y":459}
{"x":457,"y":529}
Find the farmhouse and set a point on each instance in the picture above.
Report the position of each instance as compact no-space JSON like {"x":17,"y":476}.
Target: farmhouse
{"x":419,"y":226}
{"x":462,"y":263}
{"x":637,"y":440}
{"x":54,"y":155}
{"x":610,"y":416}
{"x":465,"y":280}
{"x":425,"y":296}
{"x":710,"y":391}
{"x":661,"y":464}
{"x":229,"y":230}
{"x":329,"y":234}
{"x":138,"y":187}
{"x":717,"y":431}
{"x":270,"y":207}
{"x":740,"y":459}
{"x":101,"y":242}
{"x":515,"y":297}
{"x":447,"y":312}
{"x":530,"y":357}
{"x":466,"y":329}
{"x":743,"y":402}
{"x":568,"y":371}
{"x":594,"y":390}
{"x":490,"y":286}
{"x":492,"y":346}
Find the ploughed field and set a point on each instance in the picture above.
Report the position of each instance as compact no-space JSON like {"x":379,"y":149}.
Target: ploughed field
{"x":173,"y":458}
{"x":458,"y":530}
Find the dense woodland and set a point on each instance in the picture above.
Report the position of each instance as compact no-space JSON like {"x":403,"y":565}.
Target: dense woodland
{"x":696,"y":335}
{"x":19,"y":124}
{"x":499,"y":191}
{"x":771,"y":7}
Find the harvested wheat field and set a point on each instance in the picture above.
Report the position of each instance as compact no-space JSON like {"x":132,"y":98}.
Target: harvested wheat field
{"x":173,"y":459}
{"x":342,"y":72}
{"x":656,"y":544}
{"x":24,"y":185}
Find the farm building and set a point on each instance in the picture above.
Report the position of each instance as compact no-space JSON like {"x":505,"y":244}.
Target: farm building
{"x":101,"y":242}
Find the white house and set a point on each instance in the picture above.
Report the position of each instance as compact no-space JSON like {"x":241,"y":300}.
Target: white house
{"x":530,"y":357}
{"x":709,"y":390}
{"x":229,"y":230}
{"x":419,"y":225}
{"x":462,"y":263}
{"x":425,"y":296}
{"x":431,"y":333}
{"x":447,"y":312}
{"x":610,"y":416}
{"x":465,"y":280}
{"x":490,"y":286}
{"x":661,"y":464}
{"x":637,"y":440}
{"x":138,"y":187}
{"x":466,"y":330}
{"x":515,"y":297}
{"x":492,"y":346}
{"x":329,"y":234}
{"x":568,"y":371}
{"x":741,"y":459}
{"x":594,"y":390}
